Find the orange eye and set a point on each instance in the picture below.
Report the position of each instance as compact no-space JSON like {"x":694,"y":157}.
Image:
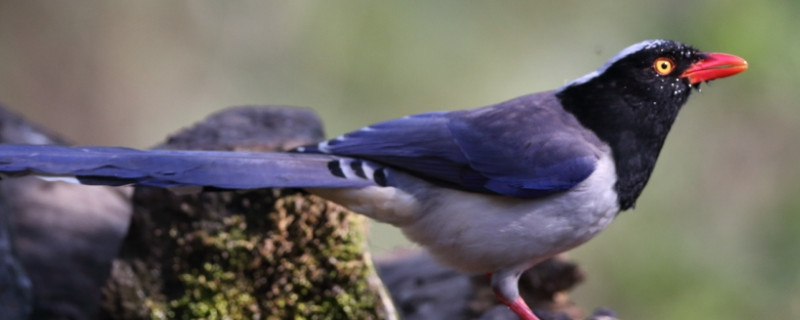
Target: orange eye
{"x":664,"y":66}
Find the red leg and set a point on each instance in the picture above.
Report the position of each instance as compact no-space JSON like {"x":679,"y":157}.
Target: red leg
{"x":519,"y":307}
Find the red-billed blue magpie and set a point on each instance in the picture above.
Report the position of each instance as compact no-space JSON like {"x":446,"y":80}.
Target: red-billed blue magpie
{"x":490,"y":190}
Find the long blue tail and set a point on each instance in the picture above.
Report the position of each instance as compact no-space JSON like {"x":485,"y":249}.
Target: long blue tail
{"x":170,"y":168}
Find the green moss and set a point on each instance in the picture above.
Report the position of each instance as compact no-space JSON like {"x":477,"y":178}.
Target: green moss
{"x":257,"y":255}
{"x":214,"y":294}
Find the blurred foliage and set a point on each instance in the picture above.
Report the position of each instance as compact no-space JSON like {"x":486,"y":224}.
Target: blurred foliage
{"x":715,"y":235}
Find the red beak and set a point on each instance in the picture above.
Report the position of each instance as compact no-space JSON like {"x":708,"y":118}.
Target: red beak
{"x":714,"y":66}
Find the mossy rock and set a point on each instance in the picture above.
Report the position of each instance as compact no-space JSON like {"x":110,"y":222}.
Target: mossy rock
{"x":265,"y":254}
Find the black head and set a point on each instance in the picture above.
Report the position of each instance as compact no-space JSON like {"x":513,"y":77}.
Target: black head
{"x":656,"y":73}
{"x":632,"y":101}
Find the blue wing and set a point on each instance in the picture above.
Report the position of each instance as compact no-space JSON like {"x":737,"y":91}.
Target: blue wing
{"x":527,"y":147}
{"x":173,"y":168}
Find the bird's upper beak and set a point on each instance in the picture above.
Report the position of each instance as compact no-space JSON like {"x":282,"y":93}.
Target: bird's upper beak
{"x":714,"y":66}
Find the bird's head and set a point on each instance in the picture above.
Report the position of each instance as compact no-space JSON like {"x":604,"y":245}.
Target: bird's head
{"x":655,"y":73}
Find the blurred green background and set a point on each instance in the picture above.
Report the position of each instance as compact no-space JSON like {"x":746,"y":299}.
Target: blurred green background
{"x":716,"y":235}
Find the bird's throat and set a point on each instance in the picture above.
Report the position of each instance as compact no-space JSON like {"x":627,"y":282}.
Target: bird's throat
{"x":635,"y":128}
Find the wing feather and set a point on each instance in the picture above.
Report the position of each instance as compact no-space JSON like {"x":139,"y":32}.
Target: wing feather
{"x":527,"y":147}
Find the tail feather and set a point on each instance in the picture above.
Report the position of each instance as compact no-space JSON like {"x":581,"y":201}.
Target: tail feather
{"x":172,"y":168}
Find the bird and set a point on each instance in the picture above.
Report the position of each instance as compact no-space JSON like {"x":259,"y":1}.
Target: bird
{"x":489,"y":190}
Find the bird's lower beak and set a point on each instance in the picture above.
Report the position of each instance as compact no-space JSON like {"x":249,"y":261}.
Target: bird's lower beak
{"x":714,"y":66}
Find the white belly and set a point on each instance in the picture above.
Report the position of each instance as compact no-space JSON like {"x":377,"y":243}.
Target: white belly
{"x":483,"y":233}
